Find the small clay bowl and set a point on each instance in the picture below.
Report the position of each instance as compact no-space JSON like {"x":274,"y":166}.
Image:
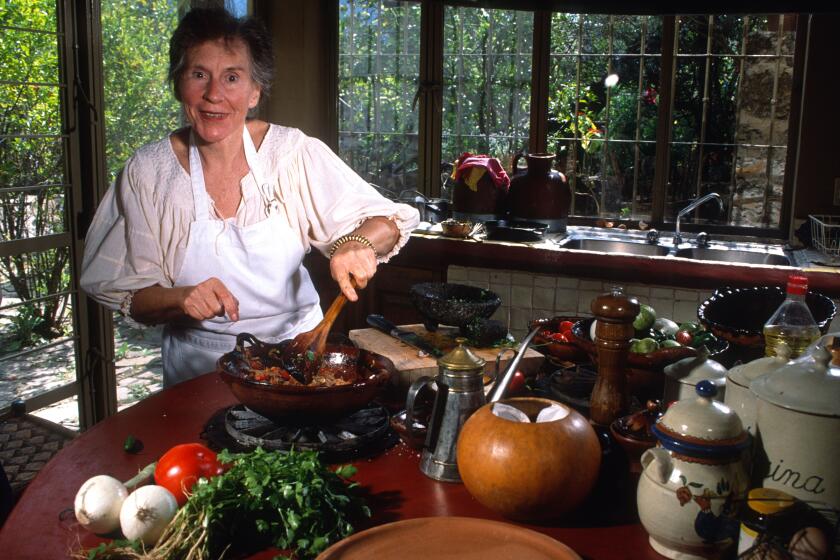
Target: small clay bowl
{"x":633,"y":433}
{"x":455,"y":228}
{"x":413,"y":436}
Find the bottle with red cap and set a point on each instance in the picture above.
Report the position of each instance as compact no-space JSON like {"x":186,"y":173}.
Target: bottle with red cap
{"x":792,"y":324}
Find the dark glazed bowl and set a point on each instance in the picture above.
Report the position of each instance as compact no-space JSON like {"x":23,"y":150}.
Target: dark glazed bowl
{"x":738,"y":314}
{"x":442,"y":303}
{"x":306,"y":402}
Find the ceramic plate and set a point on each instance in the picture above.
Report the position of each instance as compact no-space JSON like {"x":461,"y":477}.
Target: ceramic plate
{"x":442,"y":538}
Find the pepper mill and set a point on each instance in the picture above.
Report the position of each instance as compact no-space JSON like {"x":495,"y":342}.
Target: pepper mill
{"x":614,"y":312}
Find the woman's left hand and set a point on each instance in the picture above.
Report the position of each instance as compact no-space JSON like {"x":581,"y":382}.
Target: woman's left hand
{"x":352,"y":259}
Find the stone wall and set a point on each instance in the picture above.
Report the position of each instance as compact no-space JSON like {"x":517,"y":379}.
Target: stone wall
{"x":759,"y":170}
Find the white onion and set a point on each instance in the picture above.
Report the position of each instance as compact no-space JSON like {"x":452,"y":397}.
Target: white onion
{"x":146,"y":513}
{"x":98,"y":503}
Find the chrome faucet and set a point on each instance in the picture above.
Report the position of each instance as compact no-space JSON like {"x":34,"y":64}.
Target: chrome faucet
{"x":691,"y":206}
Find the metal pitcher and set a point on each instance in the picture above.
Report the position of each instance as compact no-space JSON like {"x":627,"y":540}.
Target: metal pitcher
{"x":459,"y":390}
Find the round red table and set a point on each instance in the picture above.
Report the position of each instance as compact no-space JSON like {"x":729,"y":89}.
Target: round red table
{"x":42,"y":525}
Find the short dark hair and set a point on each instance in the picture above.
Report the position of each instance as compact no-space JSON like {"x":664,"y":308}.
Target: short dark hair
{"x":200,"y":25}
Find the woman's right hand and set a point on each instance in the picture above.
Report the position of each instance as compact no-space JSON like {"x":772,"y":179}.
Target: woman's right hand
{"x":209,"y":299}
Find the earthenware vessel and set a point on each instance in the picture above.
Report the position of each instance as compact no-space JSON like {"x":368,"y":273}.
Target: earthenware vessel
{"x":693,"y":481}
{"x":797,"y":425}
{"x":529,"y":471}
{"x":540,"y":193}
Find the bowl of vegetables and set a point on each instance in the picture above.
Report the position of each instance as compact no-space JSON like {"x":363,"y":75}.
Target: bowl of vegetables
{"x":657,"y":343}
{"x":555,"y":339}
{"x":347,"y":379}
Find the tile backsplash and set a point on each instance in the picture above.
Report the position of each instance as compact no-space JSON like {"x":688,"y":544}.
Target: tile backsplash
{"x":526,"y":296}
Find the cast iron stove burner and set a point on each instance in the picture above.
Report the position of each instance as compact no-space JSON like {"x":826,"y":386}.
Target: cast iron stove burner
{"x":362,"y":433}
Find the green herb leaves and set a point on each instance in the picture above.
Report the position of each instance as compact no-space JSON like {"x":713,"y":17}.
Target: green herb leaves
{"x":291,"y":501}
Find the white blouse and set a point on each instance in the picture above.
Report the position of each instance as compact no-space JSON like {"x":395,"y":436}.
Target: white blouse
{"x":139,"y":233}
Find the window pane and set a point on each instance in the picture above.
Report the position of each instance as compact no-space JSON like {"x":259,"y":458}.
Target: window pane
{"x":38,"y":54}
{"x":597,"y":125}
{"x":31,"y":161}
{"x":379,"y":63}
{"x":37,"y":351}
{"x":32,"y":109}
{"x":596,"y":34}
{"x":688,"y":99}
{"x":30,"y":213}
{"x":487,"y":82}
{"x":139,"y":104}
{"x":757,"y":196}
{"x":732,"y":112}
{"x":31,"y":14}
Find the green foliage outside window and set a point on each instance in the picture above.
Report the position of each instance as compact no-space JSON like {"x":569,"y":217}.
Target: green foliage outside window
{"x":139,"y":108}
{"x":32,"y":180}
{"x":139,"y":104}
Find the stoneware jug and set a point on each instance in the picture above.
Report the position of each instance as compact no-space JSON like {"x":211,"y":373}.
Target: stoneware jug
{"x":540,"y":193}
{"x":693,"y":481}
{"x":798,"y":429}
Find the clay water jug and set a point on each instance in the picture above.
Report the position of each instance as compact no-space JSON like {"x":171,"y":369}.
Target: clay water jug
{"x":540,"y":193}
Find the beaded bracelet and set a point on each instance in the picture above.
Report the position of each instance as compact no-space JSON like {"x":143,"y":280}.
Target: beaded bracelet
{"x":347,"y":238}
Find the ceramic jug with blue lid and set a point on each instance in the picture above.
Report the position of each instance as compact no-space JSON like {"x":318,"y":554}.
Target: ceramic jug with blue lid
{"x":693,"y":480}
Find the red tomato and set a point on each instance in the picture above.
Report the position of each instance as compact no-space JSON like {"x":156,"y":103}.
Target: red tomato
{"x":559,"y":337}
{"x":566,"y":326}
{"x":517,"y":383}
{"x":181,"y":467}
{"x":684,"y":337}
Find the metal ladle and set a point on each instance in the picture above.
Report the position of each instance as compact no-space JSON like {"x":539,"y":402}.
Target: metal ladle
{"x":501,"y":384}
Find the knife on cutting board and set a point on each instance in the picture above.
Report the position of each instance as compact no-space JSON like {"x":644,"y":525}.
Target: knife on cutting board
{"x":410,"y":338}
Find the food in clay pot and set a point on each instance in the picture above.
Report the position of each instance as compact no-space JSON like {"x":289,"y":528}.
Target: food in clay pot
{"x":357,"y":377}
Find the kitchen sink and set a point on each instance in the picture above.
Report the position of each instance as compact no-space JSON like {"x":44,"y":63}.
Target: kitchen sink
{"x":732,"y":255}
{"x":615,"y":246}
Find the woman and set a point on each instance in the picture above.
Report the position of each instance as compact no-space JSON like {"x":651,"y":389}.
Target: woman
{"x":206,"y":230}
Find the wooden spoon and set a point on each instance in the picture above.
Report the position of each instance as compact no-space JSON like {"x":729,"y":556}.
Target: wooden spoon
{"x":302,"y":356}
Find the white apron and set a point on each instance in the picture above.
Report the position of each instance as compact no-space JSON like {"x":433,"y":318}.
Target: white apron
{"x":261,"y":265}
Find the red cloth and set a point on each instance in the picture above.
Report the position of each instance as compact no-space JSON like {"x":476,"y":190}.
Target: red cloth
{"x":492,"y":165}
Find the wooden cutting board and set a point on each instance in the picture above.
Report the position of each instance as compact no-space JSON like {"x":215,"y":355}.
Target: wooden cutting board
{"x":412,"y":365}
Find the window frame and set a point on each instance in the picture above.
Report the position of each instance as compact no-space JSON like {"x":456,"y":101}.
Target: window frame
{"x":430,"y":99}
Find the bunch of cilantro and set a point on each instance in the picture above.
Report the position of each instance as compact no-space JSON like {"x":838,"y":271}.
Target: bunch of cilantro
{"x":287,"y":500}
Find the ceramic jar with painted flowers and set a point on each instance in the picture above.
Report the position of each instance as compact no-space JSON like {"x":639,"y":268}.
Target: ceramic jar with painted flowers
{"x":693,"y":481}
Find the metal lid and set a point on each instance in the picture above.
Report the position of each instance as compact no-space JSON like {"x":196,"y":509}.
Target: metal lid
{"x":461,"y":358}
{"x":701,"y":427}
{"x":805,"y":385}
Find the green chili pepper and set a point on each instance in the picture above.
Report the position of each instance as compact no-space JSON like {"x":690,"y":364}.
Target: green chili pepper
{"x":132,"y":444}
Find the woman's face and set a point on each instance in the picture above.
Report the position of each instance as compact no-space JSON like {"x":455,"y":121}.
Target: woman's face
{"x":217,"y":90}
